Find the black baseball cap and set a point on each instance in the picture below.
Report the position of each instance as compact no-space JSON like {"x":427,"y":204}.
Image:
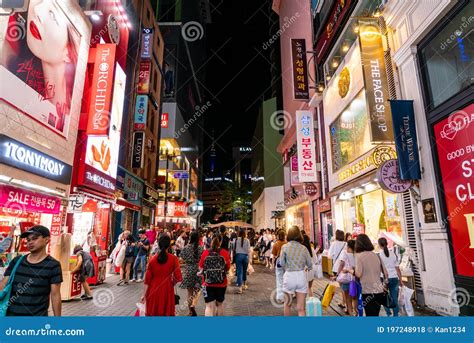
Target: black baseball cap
{"x":38,"y":230}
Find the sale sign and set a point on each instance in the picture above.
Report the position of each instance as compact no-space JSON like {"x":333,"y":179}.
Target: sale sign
{"x":455,"y":147}
{"x":23,"y":200}
{"x":306,"y":146}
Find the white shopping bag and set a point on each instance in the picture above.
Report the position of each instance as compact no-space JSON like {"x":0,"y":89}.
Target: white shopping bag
{"x":404,"y":300}
{"x":318,"y":271}
{"x":140,"y":310}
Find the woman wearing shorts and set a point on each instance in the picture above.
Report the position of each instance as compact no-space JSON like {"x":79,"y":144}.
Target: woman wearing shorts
{"x":294,"y":258}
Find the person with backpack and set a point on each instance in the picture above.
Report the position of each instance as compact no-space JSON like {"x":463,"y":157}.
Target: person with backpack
{"x":391,"y":263}
{"x":242,"y":250}
{"x":213,"y":267}
{"x":85,"y":266}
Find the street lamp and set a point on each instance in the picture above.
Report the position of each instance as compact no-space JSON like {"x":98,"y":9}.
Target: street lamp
{"x":169,"y":155}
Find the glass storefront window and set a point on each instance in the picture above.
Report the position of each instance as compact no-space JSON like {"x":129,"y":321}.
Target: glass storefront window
{"x":350,"y":134}
{"x":446,"y":61}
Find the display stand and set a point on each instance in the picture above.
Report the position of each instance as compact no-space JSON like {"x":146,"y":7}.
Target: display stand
{"x":71,"y":287}
{"x":100,"y":265}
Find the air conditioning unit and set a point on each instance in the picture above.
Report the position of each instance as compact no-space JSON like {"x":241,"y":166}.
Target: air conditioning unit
{"x":10,"y":6}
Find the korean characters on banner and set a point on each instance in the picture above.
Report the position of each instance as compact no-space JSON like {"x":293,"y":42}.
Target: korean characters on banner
{"x":143,"y":86}
{"x":306,"y":146}
{"x":455,"y":148}
{"x":141,"y":108}
{"x":300,"y":69}
{"x":147,"y":43}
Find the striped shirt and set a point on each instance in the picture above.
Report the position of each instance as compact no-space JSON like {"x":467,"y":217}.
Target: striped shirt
{"x":31,"y":286}
{"x":295,"y":257}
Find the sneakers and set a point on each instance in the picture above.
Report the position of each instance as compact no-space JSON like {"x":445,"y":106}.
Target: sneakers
{"x":239,"y":290}
{"x":246,"y":286}
{"x":133,"y":280}
{"x":125,"y":283}
{"x":86,"y":297}
{"x":140,"y":280}
{"x":120,"y":283}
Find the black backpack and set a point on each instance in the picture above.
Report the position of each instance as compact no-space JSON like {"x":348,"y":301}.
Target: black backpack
{"x":214,"y":268}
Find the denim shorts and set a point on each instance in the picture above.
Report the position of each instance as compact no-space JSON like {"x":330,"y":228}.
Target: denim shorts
{"x":345,"y":287}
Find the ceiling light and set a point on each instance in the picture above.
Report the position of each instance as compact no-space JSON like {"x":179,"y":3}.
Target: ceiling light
{"x":5,"y":178}
{"x":345,"y":47}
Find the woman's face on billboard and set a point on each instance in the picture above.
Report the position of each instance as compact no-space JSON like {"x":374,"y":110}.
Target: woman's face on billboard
{"x":47,"y":34}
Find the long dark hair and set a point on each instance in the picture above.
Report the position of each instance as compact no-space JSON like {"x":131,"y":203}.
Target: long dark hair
{"x":384,"y":245}
{"x":194,"y":241}
{"x":164,"y":244}
{"x":307,"y":244}
{"x":242,"y":235}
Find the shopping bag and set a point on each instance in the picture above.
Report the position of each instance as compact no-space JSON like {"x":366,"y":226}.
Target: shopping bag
{"x":313,"y":307}
{"x":318,"y":271}
{"x":120,"y":256}
{"x":353,"y":289}
{"x":328,"y":295}
{"x":405,"y":296}
{"x":140,"y":312}
{"x":360,"y":302}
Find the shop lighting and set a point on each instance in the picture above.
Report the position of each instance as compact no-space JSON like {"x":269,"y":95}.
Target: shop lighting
{"x":328,"y":77}
{"x":377,"y":13}
{"x":5,"y":178}
{"x":94,"y":15}
{"x":320,"y":87}
{"x":345,"y":47}
{"x":356,"y":29}
{"x":358,"y":191}
{"x":37,"y":187}
{"x":335,"y":63}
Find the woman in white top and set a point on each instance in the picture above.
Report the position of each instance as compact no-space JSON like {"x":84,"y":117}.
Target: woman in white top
{"x":334,"y":253}
{"x":314,"y":258}
{"x":346,"y":265}
{"x":267,"y":239}
{"x":391,"y":263}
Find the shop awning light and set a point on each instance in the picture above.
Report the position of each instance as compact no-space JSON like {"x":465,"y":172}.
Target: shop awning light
{"x":5,"y":178}
{"x":37,"y":187}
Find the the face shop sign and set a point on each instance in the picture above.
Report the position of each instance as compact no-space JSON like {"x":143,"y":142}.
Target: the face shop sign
{"x":21,"y":156}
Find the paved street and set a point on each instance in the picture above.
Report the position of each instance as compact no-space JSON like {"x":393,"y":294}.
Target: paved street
{"x":112,"y":300}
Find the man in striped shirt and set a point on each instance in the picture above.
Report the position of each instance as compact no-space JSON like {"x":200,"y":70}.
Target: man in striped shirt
{"x":37,"y":278}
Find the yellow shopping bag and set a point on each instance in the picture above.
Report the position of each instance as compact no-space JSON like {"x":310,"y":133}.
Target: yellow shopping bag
{"x":328,"y":295}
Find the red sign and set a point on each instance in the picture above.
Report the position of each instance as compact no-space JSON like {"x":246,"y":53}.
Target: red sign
{"x":164,"y":120}
{"x":339,"y":12}
{"x":76,"y":286}
{"x":455,"y":147}
{"x":101,"y":90}
{"x":143,"y":86}
{"x":25,"y":226}
{"x":175,"y":209}
{"x":17,"y":199}
{"x":311,"y":189}
{"x":56,"y":225}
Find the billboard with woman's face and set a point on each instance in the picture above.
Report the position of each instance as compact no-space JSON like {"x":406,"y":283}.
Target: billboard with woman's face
{"x":40,"y":51}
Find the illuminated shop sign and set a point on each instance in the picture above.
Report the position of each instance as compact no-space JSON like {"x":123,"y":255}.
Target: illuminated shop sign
{"x":300,"y":69}
{"x":141,"y":108}
{"x":306,"y":146}
{"x":12,"y":197}
{"x":21,"y":156}
{"x":147,"y":42}
{"x":98,"y":180}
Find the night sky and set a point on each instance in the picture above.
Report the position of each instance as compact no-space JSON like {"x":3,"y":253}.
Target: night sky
{"x":238,"y":74}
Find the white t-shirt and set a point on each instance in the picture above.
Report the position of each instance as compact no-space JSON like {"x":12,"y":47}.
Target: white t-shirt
{"x":348,"y":258}
{"x":335,"y":252}
{"x":390,"y":262}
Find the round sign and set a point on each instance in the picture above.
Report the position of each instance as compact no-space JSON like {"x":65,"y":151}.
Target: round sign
{"x":113,"y":28}
{"x":389,"y":178}
{"x":311,"y":189}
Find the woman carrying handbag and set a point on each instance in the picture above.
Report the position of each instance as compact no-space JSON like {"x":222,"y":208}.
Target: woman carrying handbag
{"x":344,"y":277}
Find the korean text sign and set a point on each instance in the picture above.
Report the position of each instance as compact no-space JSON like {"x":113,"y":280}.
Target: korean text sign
{"x":306,"y":146}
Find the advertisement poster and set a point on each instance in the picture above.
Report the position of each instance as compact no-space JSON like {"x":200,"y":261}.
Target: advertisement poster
{"x":28,"y":201}
{"x":306,"y":146}
{"x":41,"y":49}
{"x":143,"y":86}
{"x":102,"y":152}
{"x":455,"y":146}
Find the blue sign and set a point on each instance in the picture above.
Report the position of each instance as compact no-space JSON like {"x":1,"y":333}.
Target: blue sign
{"x":404,"y":129}
{"x":181,"y":175}
{"x":141,"y":108}
{"x":131,"y":185}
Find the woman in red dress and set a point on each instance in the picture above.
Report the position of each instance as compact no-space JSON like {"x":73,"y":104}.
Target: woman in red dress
{"x":162,"y":274}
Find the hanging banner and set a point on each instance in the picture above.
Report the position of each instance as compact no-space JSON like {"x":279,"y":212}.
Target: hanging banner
{"x":147,"y":42}
{"x":455,"y":146}
{"x":306,"y":146}
{"x":404,"y":129}
{"x":300,"y":69}
{"x":28,"y":201}
{"x":375,"y":79}
{"x":101,"y":90}
{"x":143,"y":86}
{"x":138,"y":149}
{"x":141,"y":108}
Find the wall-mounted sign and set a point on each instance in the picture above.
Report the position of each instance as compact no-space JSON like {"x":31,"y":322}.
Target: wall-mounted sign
{"x":368,"y":162}
{"x":75,"y":203}
{"x":143,"y":86}
{"x":404,"y":129}
{"x":294,"y":179}
{"x":165,"y":120}
{"x":131,"y":186}
{"x":12,"y":197}
{"x":300,"y":69}
{"x":138,"y":149}
{"x":337,"y":17}
{"x":147,"y":43}
{"x":306,"y":147}
{"x":389,"y":178}
{"x":375,"y":79}
{"x":324,"y":205}
{"x":429,"y":210}
{"x":151,"y":195}
{"x":96,"y":179}
{"x":455,"y":147}
{"x":344,"y":82}
{"x":21,"y":156}
{"x":101,"y":90}
{"x":311,"y":189}
{"x":175,"y":209}
{"x":181,"y":175}
{"x":141,"y":108}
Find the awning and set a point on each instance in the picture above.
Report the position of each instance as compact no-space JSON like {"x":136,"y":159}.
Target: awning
{"x":128,"y":205}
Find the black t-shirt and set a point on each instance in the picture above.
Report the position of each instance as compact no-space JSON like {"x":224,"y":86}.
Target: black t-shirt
{"x":225,"y":243}
{"x":141,"y":250}
{"x":31,"y":286}
{"x":129,"y":248}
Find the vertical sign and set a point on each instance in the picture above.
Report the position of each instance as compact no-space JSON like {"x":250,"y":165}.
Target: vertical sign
{"x":141,"y":108}
{"x":165,"y":120}
{"x":455,"y":145}
{"x":306,"y":146}
{"x":375,"y":78}
{"x":300,"y":69}
{"x":101,"y":90}
{"x":147,"y":42}
{"x":404,"y":129}
{"x":138,"y":149}
{"x":144,"y":77}
{"x":294,"y":171}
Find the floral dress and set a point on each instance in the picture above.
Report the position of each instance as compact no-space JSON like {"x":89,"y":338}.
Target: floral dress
{"x":190,"y":278}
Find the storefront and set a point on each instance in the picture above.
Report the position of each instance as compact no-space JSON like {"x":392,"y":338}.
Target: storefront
{"x":176,"y":216}
{"x":150,"y":202}
{"x":445,"y":64}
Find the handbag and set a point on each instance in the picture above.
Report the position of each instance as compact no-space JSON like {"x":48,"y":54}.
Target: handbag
{"x":344,"y":278}
{"x":7,"y":290}
{"x":353,"y":288}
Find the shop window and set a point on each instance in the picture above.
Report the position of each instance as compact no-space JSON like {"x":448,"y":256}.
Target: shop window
{"x":446,"y":60}
{"x":350,"y":134}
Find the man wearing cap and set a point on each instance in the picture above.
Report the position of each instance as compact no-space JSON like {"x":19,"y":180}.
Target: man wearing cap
{"x":37,"y":279}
